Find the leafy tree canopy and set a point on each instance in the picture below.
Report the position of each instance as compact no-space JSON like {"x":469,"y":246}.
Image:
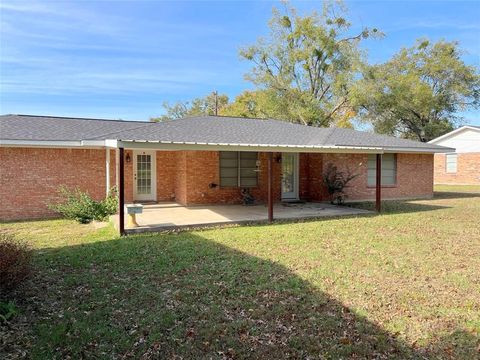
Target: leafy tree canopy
{"x":265,"y":104}
{"x":419,"y":92}
{"x":307,"y":65}
{"x":260,"y":104}
{"x":198,"y":106}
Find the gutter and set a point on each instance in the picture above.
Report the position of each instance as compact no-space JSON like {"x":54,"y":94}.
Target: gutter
{"x":177,"y":145}
{"x":42,"y":143}
{"x":435,"y":150}
{"x":53,"y":143}
{"x":174,"y":145}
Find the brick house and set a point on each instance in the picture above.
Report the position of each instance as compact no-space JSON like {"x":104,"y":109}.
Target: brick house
{"x":199,"y":160}
{"x":461,"y":167}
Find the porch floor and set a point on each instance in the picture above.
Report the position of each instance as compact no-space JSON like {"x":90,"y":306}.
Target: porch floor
{"x":168,"y":216}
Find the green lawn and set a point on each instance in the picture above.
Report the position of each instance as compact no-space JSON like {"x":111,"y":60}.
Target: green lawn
{"x":404,"y":284}
{"x":458,"y":188}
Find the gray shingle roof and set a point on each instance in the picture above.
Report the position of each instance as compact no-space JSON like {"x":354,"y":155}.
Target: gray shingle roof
{"x":32,"y":127}
{"x":205,"y":129}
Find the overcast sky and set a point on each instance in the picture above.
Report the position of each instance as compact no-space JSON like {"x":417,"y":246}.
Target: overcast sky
{"x":121,"y":59}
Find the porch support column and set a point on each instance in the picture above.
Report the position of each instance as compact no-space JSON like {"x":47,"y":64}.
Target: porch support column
{"x":107,"y":171}
{"x":270,"y":187}
{"x":378,"y":187}
{"x":117,"y":169}
{"x":121,"y":193}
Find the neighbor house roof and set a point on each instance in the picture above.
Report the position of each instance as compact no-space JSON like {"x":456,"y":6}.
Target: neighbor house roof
{"x":195,"y":132}
{"x":454,"y":132}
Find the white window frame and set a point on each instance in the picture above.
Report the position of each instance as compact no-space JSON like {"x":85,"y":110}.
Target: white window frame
{"x":455,"y":157}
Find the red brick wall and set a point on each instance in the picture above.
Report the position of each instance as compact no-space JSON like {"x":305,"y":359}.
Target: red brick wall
{"x":166,"y":166}
{"x":468,"y":170}
{"x":311,"y":186}
{"x":414,"y":176}
{"x":201,"y":168}
{"x":181,"y":178}
{"x":166,"y":175}
{"x":30,"y":178}
{"x":128,"y":178}
{"x":196,"y":170}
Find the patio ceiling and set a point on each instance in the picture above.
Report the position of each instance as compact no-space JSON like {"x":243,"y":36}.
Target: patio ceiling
{"x":170,"y":145}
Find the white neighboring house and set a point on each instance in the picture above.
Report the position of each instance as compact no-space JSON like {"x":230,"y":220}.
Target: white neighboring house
{"x":463,"y":166}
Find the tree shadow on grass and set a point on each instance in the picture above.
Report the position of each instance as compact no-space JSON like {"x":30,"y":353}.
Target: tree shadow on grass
{"x":454,"y":195}
{"x":172,"y":296}
{"x":407,"y":206}
{"x":398,"y":206}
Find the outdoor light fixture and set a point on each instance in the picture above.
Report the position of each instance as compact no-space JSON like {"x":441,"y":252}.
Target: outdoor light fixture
{"x":127,"y":158}
{"x":278,"y":158}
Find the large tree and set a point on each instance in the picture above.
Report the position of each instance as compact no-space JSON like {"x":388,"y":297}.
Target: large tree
{"x":208,"y":105}
{"x":308,"y":64}
{"x":265,"y":104}
{"x":255,"y":104}
{"x":419,"y":92}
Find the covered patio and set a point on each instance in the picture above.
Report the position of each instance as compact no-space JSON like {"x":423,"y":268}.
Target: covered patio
{"x":201,"y":166}
{"x":159,"y":216}
{"x":171,"y":215}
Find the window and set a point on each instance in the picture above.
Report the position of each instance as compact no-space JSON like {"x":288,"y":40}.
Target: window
{"x":451,"y":163}
{"x":389,"y":169}
{"x":238,"y":169}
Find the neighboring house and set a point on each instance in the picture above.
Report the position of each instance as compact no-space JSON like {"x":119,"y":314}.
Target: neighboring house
{"x":198,"y":160}
{"x":462,"y":166}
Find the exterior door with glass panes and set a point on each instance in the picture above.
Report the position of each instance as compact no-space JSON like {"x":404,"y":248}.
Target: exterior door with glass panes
{"x":289,"y":176}
{"x":144,"y":176}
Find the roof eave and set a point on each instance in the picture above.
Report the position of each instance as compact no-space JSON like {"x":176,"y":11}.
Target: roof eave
{"x":65,"y":144}
{"x":412,"y":150}
{"x":172,"y":145}
{"x":175,"y":145}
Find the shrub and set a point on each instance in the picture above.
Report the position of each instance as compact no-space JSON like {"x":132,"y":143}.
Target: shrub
{"x":110,"y":204}
{"x":336,"y":181}
{"x":7,"y":311}
{"x":15,"y":262}
{"x":79,"y":206}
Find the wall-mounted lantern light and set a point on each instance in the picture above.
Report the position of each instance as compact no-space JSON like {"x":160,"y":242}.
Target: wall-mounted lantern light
{"x":127,"y":158}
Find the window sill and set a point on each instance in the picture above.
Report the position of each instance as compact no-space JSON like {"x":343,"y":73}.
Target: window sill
{"x":383,"y":186}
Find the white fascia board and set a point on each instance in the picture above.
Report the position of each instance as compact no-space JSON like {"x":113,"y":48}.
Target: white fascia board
{"x":444,"y":149}
{"x":40,"y":143}
{"x":66,"y":144}
{"x":164,"y":145}
{"x":93,"y":143}
{"x":111,"y":143}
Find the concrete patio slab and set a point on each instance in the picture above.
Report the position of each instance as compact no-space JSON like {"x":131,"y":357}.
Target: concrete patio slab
{"x":169,"y":216}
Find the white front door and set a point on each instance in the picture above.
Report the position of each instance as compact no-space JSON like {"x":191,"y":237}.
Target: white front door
{"x":144,"y":176}
{"x":289,"y":176}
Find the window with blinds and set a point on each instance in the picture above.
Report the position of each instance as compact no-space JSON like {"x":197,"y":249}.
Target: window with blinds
{"x":389,"y":169}
{"x":238,"y":169}
{"x":451,"y":163}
